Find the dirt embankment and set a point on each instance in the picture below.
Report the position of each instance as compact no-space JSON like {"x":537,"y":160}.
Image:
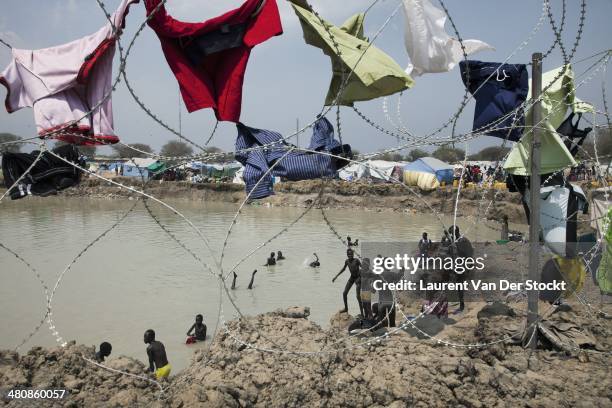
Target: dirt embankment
{"x":397,"y":372}
{"x":336,"y":194}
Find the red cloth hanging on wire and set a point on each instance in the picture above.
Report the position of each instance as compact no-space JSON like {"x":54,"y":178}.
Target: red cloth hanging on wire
{"x":209,"y":59}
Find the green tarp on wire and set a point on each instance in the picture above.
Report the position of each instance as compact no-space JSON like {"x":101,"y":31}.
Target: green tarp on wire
{"x":375,"y":73}
{"x":560,"y":95}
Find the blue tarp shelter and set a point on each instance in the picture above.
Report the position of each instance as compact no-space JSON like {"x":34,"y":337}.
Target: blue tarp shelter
{"x":427,"y":173}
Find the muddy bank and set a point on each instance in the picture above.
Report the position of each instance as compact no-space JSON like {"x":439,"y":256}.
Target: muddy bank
{"x":335,"y":194}
{"x":399,"y":371}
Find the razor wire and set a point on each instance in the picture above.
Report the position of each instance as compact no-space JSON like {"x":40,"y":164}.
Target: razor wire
{"x":219,"y":264}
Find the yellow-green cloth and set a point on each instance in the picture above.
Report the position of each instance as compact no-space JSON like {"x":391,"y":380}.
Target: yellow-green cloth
{"x":376,"y":74}
{"x":604,"y":272}
{"x":555,"y":102}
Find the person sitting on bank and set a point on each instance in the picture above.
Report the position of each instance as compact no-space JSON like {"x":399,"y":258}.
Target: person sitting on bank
{"x":103,"y":352}
{"x":199,"y":329}
{"x":271,"y":261}
{"x":158,"y":361}
{"x":505,"y":230}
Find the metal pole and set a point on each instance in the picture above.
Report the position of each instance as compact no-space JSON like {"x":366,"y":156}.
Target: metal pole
{"x":534,"y":200}
{"x":297,"y":132}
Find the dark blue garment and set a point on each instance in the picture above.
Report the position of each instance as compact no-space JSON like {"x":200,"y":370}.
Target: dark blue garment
{"x":502,"y":93}
{"x":295,"y":165}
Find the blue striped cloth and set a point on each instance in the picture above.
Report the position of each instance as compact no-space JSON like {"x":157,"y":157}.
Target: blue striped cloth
{"x":294,"y":166}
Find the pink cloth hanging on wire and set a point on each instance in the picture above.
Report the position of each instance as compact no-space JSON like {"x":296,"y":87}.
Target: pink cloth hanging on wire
{"x":63,"y":83}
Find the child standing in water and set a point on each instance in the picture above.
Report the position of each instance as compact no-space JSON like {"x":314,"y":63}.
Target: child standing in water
{"x":199,"y":329}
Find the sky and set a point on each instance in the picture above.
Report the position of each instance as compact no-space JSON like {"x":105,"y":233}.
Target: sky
{"x":287,"y":80}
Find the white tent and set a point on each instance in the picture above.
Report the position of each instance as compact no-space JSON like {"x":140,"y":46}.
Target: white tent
{"x":238,"y":177}
{"x":374,"y":169}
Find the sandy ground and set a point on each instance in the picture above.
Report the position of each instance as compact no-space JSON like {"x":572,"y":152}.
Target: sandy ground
{"x":329,"y":193}
{"x":396,"y":371}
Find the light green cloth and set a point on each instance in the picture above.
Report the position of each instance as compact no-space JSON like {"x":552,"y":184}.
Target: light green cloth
{"x":555,"y":101}
{"x":376,"y":74}
{"x":604,"y":272}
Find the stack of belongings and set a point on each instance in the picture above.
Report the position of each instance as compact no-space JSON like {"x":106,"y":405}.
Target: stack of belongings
{"x":49,"y":175}
{"x":269,"y":156}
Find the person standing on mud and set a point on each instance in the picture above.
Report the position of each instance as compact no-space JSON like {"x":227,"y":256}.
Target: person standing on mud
{"x":424,"y":245}
{"x":505,"y":229}
{"x":158,"y":361}
{"x":354,"y":265}
{"x":460,"y":247}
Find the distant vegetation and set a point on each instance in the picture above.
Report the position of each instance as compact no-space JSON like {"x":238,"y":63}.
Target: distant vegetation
{"x":13,"y":147}
{"x":124,"y":152}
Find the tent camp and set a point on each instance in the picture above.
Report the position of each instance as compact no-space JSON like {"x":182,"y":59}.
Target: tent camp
{"x":375,"y":170}
{"x":214,"y":170}
{"x":427,"y":173}
{"x":137,"y":167}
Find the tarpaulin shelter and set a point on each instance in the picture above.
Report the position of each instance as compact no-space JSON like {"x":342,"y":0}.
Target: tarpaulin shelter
{"x":214,"y":170}
{"x":428,"y":173}
{"x":375,"y":170}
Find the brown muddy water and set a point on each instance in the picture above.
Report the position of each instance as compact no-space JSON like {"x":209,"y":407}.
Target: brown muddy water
{"x":136,"y":277}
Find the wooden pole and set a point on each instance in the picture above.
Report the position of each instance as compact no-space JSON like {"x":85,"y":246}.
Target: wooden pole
{"x":534,"y":200}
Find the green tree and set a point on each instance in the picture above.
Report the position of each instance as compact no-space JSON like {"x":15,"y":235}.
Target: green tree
{"x":416,"y":154}
{"x":124,"y":152}
{"x":13,"y":147}
{"x":491,"y":153}
{"x":225,"y":157}
{"x":603,"y":136}
{"x":176,"y":148}
{"x":389,"y":156}
{"x":448,"y":154}
{"x":88,"y":151}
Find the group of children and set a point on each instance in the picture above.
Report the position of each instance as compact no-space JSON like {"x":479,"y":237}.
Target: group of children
{"x":272,"y":260}
{"x":382,"y":313}
{"x":156,"y":352}
{"x":373,"y":315}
